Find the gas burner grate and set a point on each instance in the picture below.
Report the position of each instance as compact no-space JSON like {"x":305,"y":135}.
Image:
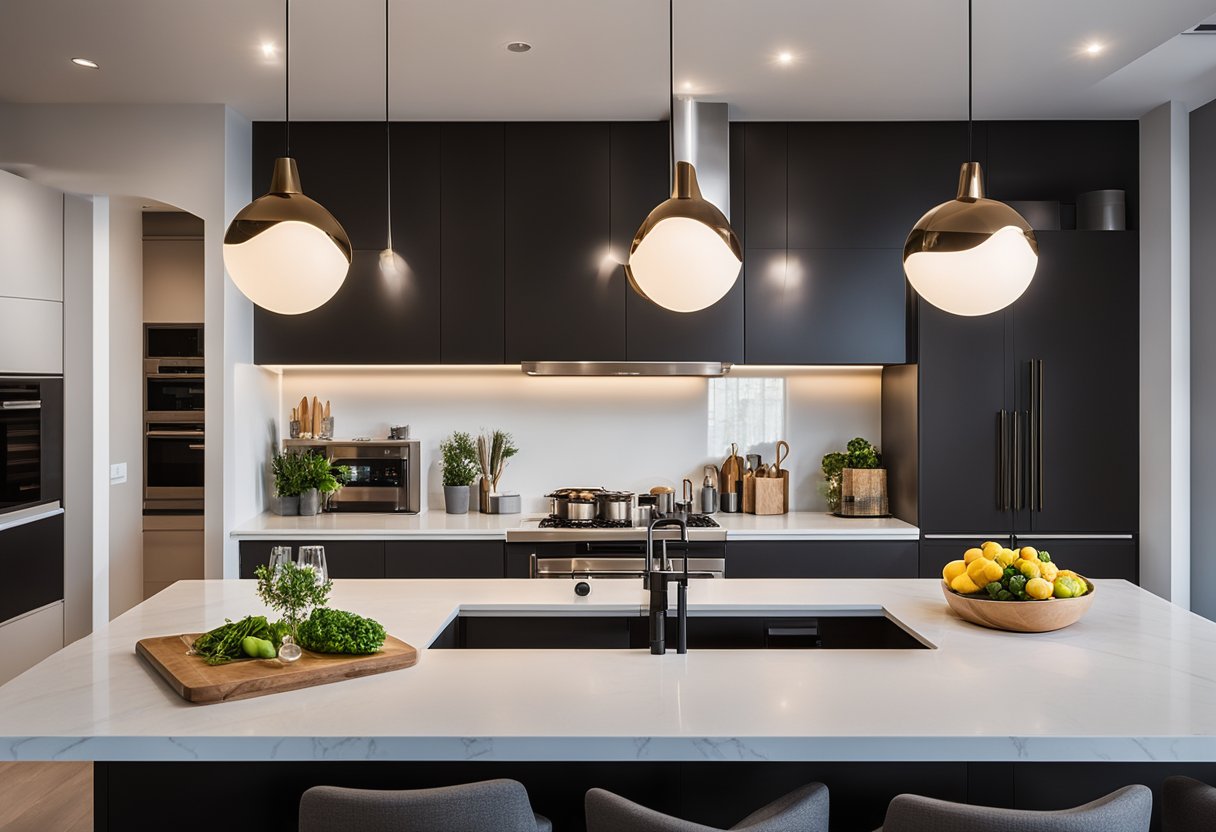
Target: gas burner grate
{"x":695,"y":521}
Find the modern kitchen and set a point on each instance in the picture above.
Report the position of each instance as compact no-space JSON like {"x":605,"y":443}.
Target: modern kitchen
{"x":648,"y":415}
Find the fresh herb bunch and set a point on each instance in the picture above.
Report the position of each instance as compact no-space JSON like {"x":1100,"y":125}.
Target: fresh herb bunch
{"x":289,"y":470}
{"x":337,"y":631}
{"x":459,"y":459}
{"x":292,"y":591}
{"x":223,"y":644}
{"x":319,"y":474}
{"x":859,"y":453}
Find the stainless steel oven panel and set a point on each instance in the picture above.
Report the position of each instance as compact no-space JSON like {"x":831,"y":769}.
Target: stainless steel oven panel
{"x":619,"y":567}
{"x":174,"y":466}
{"x":31,"y":442}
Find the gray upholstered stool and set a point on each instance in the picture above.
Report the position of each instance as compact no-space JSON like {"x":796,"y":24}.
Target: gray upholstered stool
{"x":492,"y":806}
{"x":1187,"y":805}
{"x":1127,"y":810}
{"x":804,"y":810}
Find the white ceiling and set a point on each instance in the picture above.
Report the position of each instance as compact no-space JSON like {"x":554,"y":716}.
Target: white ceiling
{"x":607,"y":59}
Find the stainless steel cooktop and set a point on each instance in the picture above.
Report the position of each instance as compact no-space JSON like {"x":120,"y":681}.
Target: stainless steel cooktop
{"x":700,"y":527}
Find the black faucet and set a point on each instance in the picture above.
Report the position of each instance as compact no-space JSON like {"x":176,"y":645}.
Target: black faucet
{"x":657,"y":580}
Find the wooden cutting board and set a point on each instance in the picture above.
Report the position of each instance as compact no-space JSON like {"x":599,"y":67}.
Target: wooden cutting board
{"x":201,"y":683}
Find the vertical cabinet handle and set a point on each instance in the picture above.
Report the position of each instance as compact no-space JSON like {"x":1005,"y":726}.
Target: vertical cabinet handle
{"x":1033,"y":428}
{"x":1002,"y":462}
{"x":1017,"y":460}
{"x":1038,"y":449}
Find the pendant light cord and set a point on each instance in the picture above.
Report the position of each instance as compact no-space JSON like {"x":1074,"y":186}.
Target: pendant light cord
{"x":287,"y":77}
{"x":388,"y":146}
{"x":970,"y":90}
{"x":671,"y":85}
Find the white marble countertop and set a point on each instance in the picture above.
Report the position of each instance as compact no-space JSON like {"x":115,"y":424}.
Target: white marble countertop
{"x":437,"y":525}
{"x":1133,"y":681}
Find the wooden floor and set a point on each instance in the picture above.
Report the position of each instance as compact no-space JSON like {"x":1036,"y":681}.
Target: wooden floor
{"x":46,"y":797}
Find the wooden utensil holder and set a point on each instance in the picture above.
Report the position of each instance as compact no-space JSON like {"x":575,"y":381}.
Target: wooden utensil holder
{"x":863,"y":492}
{"x":769,"y":495}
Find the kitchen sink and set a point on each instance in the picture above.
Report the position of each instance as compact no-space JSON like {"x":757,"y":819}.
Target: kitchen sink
{"x":502,"y":630}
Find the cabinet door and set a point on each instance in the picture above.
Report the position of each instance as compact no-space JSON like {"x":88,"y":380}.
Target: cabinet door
{"x":963,"y":389}
{"x":1080,"y":318}
{"x":31,"y":561}
{"x":1091,"y":557}
{"x":31,"y":240}
{"x":563,"y":301}
{"x":344,"y":558}
{"x":472,"y":234}
{"x":821,"y":559}
{"x":443,"y":559}
{"x":640,"y":181}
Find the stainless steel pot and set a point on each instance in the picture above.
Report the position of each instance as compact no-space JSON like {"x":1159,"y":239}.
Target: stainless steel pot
{"x":615,"y":506}
{"x":579,"y":510}
{"x":561,"y":499}
{"x":664,"y":502}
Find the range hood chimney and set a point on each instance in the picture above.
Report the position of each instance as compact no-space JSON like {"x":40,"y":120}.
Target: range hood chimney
{"x":702,"y":136}
{"x":701,"y":369}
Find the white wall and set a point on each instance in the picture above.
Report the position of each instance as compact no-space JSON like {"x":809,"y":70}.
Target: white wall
{"x":626,"y":433}
{"x":126,"y":403}
{"x":1165,"y":474}
{"x":173,"y":281}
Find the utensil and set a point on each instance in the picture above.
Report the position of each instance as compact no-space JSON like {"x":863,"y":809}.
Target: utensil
{"x":783,"y":453}
{"x":732,"y":471}
{"x":313,"y":557}
{"x":615,"y":506}
{"x":753,"y":462}
{"x":664,"y":499}
{"x":729,"y":501}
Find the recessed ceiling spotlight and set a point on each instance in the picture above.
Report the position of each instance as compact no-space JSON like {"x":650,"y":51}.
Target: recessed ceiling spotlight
{"x":269,"y":50}
{"x":519,"y":46}
{"x":785,"y":58}
{"x":85,"y":62}
{"x":1094,"y":48}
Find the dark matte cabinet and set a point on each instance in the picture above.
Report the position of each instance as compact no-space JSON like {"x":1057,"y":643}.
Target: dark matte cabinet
{"x":563,"y":300}
{"x":391,"y":558}
{"x":31,"y":560}
{"x":1112,"y":557}
{"x":821,"y":559}
{"x":443,"y":559}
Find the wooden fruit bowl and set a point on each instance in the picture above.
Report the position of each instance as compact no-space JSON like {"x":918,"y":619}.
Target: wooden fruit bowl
{"x":1020,"y":616}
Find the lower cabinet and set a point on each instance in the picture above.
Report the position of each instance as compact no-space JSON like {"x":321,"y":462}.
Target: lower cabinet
{"x":30,"y":638}
{"x":31,"y":561}
{"x":391,"y":558}
{"x":1093,"y":557}
{"x":821,"y":559}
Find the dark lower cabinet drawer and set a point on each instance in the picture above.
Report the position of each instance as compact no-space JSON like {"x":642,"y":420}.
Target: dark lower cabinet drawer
{"x":821,"y":559}
{"x":1092,"y":557}
{"x":443,"y":559}
{"x":345,"y":558}
{"x":31,"y":561}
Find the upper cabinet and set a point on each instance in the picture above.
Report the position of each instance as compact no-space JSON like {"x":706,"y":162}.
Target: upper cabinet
{"x":31,"y":240}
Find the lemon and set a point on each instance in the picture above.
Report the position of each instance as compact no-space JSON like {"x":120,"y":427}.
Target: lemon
{"x":1063,"y":588}
{"x":1029,"y":568}
{"x":1048,"y":571}
{"x":953,"y":569}
{"x":1029,"y":553}
{"x":993,"y":571}
{"x":972,"y":554}
{"x":990,"y":548}
{"x":1006,"y":557}
{"x":964,"y":585}
{"x":976,"y":571}
{"x":1038,"y":589}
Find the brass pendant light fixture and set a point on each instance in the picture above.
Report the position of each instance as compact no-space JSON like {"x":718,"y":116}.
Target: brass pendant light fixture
{"x":284,"y":251}
{"x":391,"y":263}
{"x":685,"y":256}
{"x":971,"y":255}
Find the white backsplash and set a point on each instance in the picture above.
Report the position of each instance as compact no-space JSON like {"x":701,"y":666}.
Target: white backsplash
{"x":623,"y":433}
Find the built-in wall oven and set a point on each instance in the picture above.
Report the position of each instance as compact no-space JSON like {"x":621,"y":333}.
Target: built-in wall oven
{"x":31,"y":441}
{"x":173,"y":466}
{"x":174,"y":390}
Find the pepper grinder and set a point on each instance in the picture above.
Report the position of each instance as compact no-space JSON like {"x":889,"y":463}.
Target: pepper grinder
{"x":709,"y":490}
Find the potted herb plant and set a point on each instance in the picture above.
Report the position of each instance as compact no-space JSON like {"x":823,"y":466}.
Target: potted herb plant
{"x":459,"y":467}
{"x":859,"y":455}
{"x":292,"y":591}
{"x":319,"y":479}
{"x":288,"y":471}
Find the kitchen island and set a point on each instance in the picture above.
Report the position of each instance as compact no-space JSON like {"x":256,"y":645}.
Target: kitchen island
{"x":1132,"y":684}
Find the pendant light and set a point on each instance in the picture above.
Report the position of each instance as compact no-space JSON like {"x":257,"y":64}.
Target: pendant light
{"x":971,"y":255}
{"x":284,"y":251}
{"x":685,"y":256}
{"x":391,"y":264}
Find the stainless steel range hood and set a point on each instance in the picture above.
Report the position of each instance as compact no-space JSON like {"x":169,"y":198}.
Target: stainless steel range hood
{"x":704,"y":369}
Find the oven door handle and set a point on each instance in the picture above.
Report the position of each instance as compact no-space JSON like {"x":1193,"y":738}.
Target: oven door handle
{"x":22,"y":404}
{"x":174,"y":434}
{"x":187,"y":376}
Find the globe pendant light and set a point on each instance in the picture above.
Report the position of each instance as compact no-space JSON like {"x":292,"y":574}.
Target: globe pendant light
{"x":971,"y":255}
{"x":391,"y":264}
{"x":284,"y":251}
{"x":685,"y":256}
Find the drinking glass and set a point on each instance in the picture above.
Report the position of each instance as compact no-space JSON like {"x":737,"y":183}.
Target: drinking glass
{"x":279,"y":555}
{"x":313,"y":557}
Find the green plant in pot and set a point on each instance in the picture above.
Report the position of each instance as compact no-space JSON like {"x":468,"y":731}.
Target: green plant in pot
{"x":859,"y":453}
{"x":319,"y":480}
{"x":289,"y":470}
{"x":459,"y":467}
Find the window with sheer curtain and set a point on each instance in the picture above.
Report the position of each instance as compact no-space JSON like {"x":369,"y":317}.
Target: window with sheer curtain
{"x":749,"y":411}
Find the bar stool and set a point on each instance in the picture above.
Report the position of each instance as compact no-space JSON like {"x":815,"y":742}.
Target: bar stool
{"x":1127,"y":810}
{"x":490,"y":806}
{"x":1187,"y":805}
{"x":802,"y":810}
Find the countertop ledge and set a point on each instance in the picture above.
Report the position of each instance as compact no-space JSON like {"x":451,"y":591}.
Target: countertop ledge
{"x":438,"y":525}
{"x":1133,"y":681}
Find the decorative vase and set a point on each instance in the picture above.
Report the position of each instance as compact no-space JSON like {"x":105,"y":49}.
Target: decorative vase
{"x":286,"y":506}
{"x":310,"y":502}
{"x":456,"y":499}
{"x":483,"y":503}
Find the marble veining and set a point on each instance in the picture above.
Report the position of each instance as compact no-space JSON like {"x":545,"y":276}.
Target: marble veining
{"x":1133,"y":681}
